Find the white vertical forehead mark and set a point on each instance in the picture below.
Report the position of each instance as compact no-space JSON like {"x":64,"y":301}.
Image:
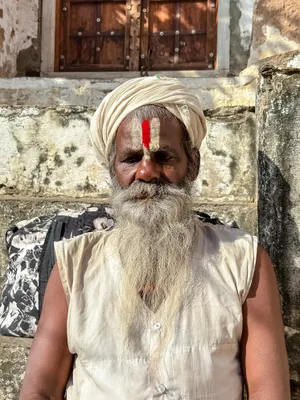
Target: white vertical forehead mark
{"x":146,"y":133}
{"x":136,"y":132}
{"x":154,"y":134}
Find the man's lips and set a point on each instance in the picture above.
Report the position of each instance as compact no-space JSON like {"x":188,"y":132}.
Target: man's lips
{"x":143,"y":196}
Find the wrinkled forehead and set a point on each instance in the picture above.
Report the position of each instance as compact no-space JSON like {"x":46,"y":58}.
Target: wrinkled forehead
{"x":149,"y":133}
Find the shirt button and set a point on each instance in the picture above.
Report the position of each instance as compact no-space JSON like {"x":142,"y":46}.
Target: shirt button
{"x":157,"y":326}
{"x":161,"y":388}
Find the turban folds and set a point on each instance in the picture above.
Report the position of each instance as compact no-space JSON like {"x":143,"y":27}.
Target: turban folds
{"x":134,"y":93}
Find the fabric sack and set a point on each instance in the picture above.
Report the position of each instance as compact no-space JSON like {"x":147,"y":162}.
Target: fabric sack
{"x":30,"y":261}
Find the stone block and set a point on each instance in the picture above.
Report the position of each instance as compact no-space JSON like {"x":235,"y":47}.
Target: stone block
{"x":278,"y":114}
{"x":14,"y":353}
{"x":293,"y":347}
{"x":228,"y":157}
{"x":46,"y":152}
{"x":244,"y":215}
{"x":48,"y":92}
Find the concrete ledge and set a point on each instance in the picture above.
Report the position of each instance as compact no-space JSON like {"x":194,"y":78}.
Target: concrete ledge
{"x":14,"y":353}
{"x":286,"y":63}
{"x":212,"y":92}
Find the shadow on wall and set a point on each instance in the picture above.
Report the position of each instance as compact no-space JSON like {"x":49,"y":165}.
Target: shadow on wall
{"x":279,"y":234}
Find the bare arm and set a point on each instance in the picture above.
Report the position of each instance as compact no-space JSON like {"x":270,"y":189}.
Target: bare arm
{"x":263,"y":349}
{"x":50,"y":361}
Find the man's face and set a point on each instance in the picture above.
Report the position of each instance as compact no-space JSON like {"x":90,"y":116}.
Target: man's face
{"x":167,"y":164}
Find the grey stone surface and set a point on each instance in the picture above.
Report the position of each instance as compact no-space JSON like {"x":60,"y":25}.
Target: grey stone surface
{"x":14,"y":353}
{"x":279,"y":186}
{"x":244,"y":215}
{"x":293,"y":344}
{"x":228,"y":157}
{"x":47,"y":92}
{"x":46,"y":152}
{"x":240,"y":33}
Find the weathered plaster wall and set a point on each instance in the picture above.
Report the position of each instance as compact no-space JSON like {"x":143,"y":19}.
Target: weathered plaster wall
{"x":19,"y":37}
{"x":279,"y":189}
{"x":212,"y":92}
{"x":46,"y":152}
{"x":241,"y":14}
{"x":14,"y":353}
{"x":275,"y":28}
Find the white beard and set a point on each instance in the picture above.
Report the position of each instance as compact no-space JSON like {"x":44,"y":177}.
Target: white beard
{"x":154,"y":234}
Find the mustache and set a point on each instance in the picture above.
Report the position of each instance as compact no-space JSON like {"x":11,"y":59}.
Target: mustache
{"x":156,"y":191}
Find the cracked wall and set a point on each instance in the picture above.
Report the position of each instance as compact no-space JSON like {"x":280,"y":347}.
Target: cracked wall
{"x":241,"y":15}
{"x":278,"y":118}
{"x":19,"y":38}
{"x":46,"y":152}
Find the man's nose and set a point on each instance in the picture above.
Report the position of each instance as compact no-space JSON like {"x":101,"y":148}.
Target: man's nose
{"x":148,"y":170}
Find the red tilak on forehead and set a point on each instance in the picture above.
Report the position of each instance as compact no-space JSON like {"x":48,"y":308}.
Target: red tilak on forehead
{"x":146,"y":135}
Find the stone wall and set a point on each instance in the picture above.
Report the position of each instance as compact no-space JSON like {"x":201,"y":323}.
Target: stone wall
{"x":46,"y":152}
{"x":278,"y":115}
{"x":19,"y":37}
{"x":241,"y":15}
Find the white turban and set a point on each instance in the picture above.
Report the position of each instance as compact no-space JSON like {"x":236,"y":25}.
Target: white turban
{"x":134,"y":93}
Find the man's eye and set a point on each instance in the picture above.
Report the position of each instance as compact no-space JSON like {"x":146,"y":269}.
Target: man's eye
{"x":132,"y":159}
{"x":165,"y":158}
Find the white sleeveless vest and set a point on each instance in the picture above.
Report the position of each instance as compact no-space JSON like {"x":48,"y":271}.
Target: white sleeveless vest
{"x":201,"y":360}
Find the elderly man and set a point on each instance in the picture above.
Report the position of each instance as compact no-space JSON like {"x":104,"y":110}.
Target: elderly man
{"x":164,"y":305}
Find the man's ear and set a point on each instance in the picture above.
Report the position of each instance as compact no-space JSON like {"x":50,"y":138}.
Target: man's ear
{"x":195,"y":164}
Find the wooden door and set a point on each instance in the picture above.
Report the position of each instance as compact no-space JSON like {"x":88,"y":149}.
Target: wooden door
{"x":132,"y":35}
{"x":179,"y":34}
{"x":91,"y":35}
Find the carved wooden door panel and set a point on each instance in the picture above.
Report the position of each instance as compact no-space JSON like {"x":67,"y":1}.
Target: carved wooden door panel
{"x":132,"y":35}
{"x":91,"y":35}
{"x":178,"y":35}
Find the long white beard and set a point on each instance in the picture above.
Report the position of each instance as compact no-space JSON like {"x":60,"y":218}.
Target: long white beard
{"x":154,"y":234}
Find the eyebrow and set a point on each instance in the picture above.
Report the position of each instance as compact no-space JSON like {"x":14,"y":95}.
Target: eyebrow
{"x":168,"y":149}
{"x":128,"y":151}
{"x":139,"y":149}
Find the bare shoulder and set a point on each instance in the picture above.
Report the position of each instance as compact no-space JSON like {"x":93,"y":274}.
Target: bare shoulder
{"x":263,"y":278}
{"x":50,"y":361}
{"x":263,"y":351}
